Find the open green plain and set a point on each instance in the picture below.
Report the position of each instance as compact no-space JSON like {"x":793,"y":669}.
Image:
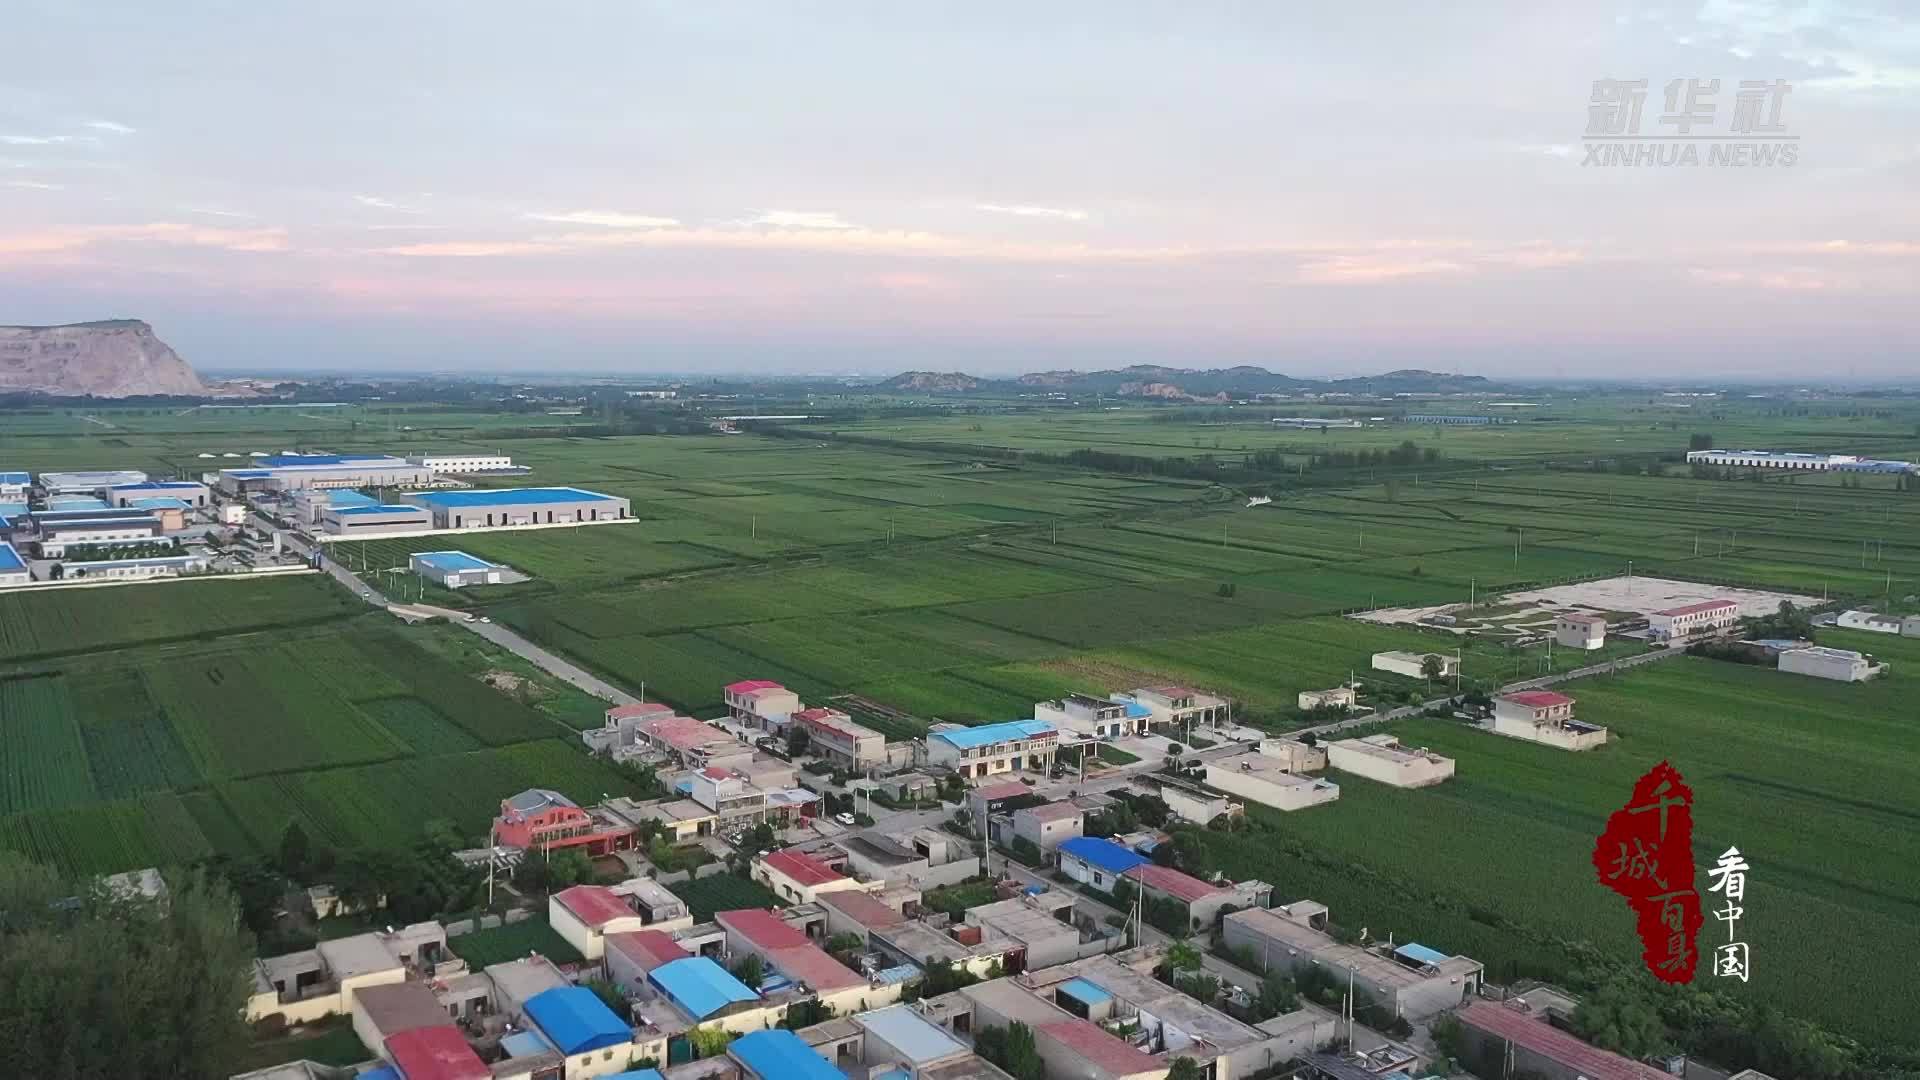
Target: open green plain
{"x":955,"y":585}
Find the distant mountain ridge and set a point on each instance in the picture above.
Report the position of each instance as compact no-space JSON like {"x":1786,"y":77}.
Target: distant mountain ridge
{"x":1156,"y":381}
{"x":113,"y":358}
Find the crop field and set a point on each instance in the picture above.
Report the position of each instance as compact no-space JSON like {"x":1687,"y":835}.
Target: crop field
{"x":722,"y":892}
{"x":68,"y":621}
{"x":1812,"y":779}
{"x":513,"y":941}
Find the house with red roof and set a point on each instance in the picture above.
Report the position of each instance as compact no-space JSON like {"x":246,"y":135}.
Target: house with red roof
{"x":1520,"y":1040}
{"x":800,"y":878}
{"x":435,"y":1053}
{"x":1689,"y":620}
{"x":543,"y":820}
{"x":1545,"y":717}
{"x":631,"y":955}
{"x":760,"y":703}
{"x":790,"y":954}
{"x":1096,"y":1054}
{"x":833,"y":735}
{"x":585,"y":914}
{"x":1201,"y":899}
{"x":619,"y":736}
{"x":691,"y":742}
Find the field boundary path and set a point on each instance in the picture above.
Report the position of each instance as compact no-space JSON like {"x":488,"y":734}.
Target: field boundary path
{"x":526,"y":650}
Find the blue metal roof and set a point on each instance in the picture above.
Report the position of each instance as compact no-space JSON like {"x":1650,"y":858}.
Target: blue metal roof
{"x":510,"y":496}
{"x":988,"y":734}
{"x":248,"y":474}
{"x":699,"y":985}
{"x":1136,"y":711}
{"x":9,"y":558}
{"x":782,"y":1054}
{"x":524,"y":1044}
{"x":384,"y":1072}
{"x":78,"y":502}
{"x":636,"y":1074}
{"x":349,"y":497}
{"x":1421,"y":954}
{"x":1104,"y":854}
{"x":1085,"y":991}
{"x":160,"y":504}
{"x":452,"y":560}
{"x":15,"y":478}
{"x":575,"y":1020}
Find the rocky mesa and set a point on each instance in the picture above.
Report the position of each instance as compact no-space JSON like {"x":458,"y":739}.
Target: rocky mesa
{"x":112,"y":359}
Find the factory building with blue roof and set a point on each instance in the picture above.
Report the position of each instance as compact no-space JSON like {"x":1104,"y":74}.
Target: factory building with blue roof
{"x":344,"y":522}
{"x":301,"y":472}
{"x":188,"y":491}
{"x":496,"y":507}
{"x":995,"y":749}
{"x":454,"y":569}
{"x":13,"y":569}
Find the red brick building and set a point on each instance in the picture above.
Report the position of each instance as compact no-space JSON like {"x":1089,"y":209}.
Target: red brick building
{"x":540,"y":819}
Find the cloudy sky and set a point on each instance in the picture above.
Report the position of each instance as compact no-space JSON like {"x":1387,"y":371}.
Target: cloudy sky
{"x":995,"y":187}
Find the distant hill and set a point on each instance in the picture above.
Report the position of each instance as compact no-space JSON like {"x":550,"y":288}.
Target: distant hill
{"x":932,"y":382}
{"x":111,"y":359}
{"x":1193,"y":384}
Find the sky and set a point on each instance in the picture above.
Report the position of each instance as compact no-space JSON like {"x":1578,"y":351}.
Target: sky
{"x":624,"y":186}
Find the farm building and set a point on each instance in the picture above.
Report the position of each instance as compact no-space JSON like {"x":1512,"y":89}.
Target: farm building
{"x":1878,"y":623}
{"x":463,"y":463}
{"x":454,"y":569}
{"x":1411,"y":980}
{"x":1382,"y":758}
{"x":297,"y":472}
{"x":519,"y":506}
{"x":1339,"y":697}
{"x":1096,"y":718}
{"x":1774,"y":459}
{"x":13,"y":569}
{"x":833,"y":735}
{"x":375,"y":520}
{"x":1266,"y":780}
{"x":994,"y":748}
{"x":1409,"y":664}
{"x":86,"y":483}
{"x":1705,"y":617}
{"x":192,"y":493}
{"x":1178,"y":707}
{"x":1580,"y":630}
{"x":1544,"y":717}
{"x":1840,"y":665}
{"x":760,"y":703}
{"x":1524,"y":1039}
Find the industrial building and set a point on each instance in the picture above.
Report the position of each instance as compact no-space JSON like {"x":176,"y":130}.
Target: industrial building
{"x":1580,"y":630}
{"x":296,"y":472}
{"x":14,"y":485}
{"x":1383,"y":758}
{"x":519,"y":506}
{"x":1840,"y":665}
{"x":376,"y":520}
{"x":990,"y":749}
{"x":193,"y":494}
{"x":1774,"y":459}
{"x":1545,"y":717}
{"x":1705,"y":617}
{"x":454,"y":569}
{"x":310,"y":503}
{"x":464,"y":463}
{"x":1451,"y":419}
{"x":13,"y":569}
{"x":1267,"y":780}
{"x":150,"y":566}
{"x":86,"y":483}
{"x":1410,"y":664}
{"x":56,"y":530}
{"x":1410,"y":980}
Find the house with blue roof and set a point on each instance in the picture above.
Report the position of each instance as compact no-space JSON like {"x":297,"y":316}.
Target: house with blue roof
{"x":580,"y":1026}
{"x":779,"y":1054}
{"x":993,"y":749}
{"x":700,"y":988}
{"x":1099,"y":863}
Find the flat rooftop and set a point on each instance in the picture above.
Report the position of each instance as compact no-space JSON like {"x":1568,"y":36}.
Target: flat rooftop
{"x":1368,"y":964}
{"x":1388,"y":750}
{"x":452,"y":560}
{"x":509,"y":496}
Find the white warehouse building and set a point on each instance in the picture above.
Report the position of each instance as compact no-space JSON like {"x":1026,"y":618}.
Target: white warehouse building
{"x":1840,"y":665}
{"x":463,"y":463}
{"x":1775,"y":459}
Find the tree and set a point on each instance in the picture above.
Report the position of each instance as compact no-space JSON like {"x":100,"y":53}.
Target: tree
{"x":751,"y":970}
{"x":1185,"y":1068}
{"x":1700,"y":441}
{"x":708,"y":1042}
{"x":93,"y":984}
{"x":1432,"y":667}
{"x":1013,"y":1049}
{"x":1276,"y":996}
{"x":1182,"y":956}
{"x":1027,"y":851}
{"x":1622,"y":1017}
{"x":295,"y":851}
{"x":798,"y":740}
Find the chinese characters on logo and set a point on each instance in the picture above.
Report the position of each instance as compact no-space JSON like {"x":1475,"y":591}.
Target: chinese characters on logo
{"x":1755,"y":136}
{"x":1646,"y":855}
{"x":1729,"y":876}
